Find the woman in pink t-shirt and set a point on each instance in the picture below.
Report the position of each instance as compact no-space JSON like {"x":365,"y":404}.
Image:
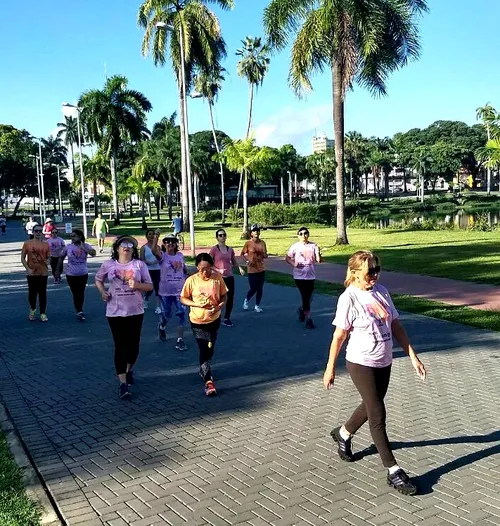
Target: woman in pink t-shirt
{"x":128,"y":278}
{"x":224,"y":261}
{"x":366,"y":315}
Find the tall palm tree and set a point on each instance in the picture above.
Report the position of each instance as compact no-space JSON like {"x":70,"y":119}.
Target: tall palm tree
{"x":199,"y":30}
{"x":357,"y":40}
{"x":112,"y":116}
{"x":208,"y":84}
{"x":54,"y":151}
{"x":253,"y":66}
{"x":69,"y":129}
{"x":490,"y":118}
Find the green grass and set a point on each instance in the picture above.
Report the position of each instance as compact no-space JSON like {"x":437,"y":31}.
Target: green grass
{"x":16,"y":509}
{"x":475,"y":318}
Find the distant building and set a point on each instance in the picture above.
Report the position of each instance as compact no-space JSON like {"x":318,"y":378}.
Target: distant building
{"x":322,"y":143}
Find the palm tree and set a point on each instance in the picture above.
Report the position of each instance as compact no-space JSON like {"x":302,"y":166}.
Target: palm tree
{"x":209,"y":85}
{"x":356,"y":150}
{"x":203,"y":45}
{"x":96,"y":172}
{"x":322,"y":166}
{"x":253,"y":66}
{"x":357,"y":40}
{"x":422,"y":164}
{"x":69,"y":128}
{"x":142,"y":186}
{"x":112,"y":116}
{"x":490,"y":117}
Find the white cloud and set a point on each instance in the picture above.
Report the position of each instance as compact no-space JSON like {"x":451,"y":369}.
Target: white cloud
{"x":297,"y":127}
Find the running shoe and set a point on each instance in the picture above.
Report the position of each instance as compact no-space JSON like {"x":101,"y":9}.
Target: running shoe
{"x":124,"y":392}
{"x":258,"y":309}
{"x":162,"y":332}
{"x":43,"y":317}
{"x":344,"y":450}
{"x":145,"y":304}
{"x":309,"y":324}
{"x":80,"y":316}
{"x":180,"y":345}
{"x":130,"y":378}
{"x":401,"y":482}
{"x":302,"y":316}
{"x":158,"y":310}
{"x":227,"y":322}
{"x":210,"y":388}
{"x":32,"y":315}
{"x":100,"y":251}
{"x":245,"y":304}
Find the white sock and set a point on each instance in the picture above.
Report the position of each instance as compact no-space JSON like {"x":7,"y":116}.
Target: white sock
{"x":344,"y":433}
{"x":393,"y":469}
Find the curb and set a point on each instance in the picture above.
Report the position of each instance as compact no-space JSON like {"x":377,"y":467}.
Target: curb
{"x":34,"y":488}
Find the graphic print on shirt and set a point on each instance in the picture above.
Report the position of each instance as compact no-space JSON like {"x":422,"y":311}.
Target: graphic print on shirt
{"x":378,"y":317}
{"x":120,"y":279}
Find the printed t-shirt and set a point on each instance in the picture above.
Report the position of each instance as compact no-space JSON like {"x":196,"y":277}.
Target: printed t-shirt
{"x":307,"y":254}
{"x":37,"y":253}
{"x":204,"y":292}
{"x":77,"y":259}
{"x":255,"y":255}
{"x":223,"y":261}
{"x":56,"y":245}
{"x":150,"y":259}
{"x":30,"y":225}
{"x":123,"y":300}
{"x":172,"y":276}
{"x":100,"y":226}
{"x":368,"y":315}
{"x":47,"y":229}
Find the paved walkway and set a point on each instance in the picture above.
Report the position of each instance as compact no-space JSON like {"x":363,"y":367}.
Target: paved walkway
{"x":259,"y":454}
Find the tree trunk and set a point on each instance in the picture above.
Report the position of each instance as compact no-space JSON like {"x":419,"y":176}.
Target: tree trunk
{"x":196,"y":193}
{"x":96,"y":199}
{"x":239,"y":192}
{"x":404,"y":181}
{"x":18,"y":204}
{"x":184,"y":181}
{"x":244,"y":233}
{"x":366,"y":183}
{"x":114,"y":188}
{"x":338,"y":125}
{"x":150,"y":217}
{"x":216,"y":142}
{"x":158,"y":204}
{"x":72,"y":159}
{"x":422,"y":188}
{"x":144,"y":225}
{"x":250,"y":109}
{"x":169,"y":200}
{"x":386,"y":185}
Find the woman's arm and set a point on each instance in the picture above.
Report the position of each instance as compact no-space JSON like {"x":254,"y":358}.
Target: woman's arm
{"x":400,"y":335}
{"x":25,"y":262}
{"x":141,"y":253}
{"x":339,"y":337}
{"x":88,"y":248}
{"x":235,"y":263}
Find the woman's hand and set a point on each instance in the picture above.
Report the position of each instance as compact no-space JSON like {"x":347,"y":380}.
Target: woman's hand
{"x":133,"y":284}
{"x":242,"y":271}
{"x":212,"y":309}
{"x":329,"y":377}
{"x":419,"y":367}
{"x":105,"y":296}
{"x":299,"y":265}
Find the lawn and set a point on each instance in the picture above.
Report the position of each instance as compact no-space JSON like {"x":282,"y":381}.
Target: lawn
{"x":16,"y":509}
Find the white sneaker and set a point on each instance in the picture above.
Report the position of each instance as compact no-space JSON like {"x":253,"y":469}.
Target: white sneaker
{"x":258,"y":309}
{"x":157,"y":310}
{"x":245,"y":304}
{"x":145,"y":304}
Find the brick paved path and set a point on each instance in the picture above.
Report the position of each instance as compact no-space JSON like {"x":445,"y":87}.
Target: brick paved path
{"x":260,"y":453}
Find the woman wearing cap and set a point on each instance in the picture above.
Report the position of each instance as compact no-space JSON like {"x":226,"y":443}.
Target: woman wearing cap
{"x":48,"y":227}
{"x":303,"y":255}
{"x":255,"y":251}
{"x":205,"y":293}
{"x":56,"y":245}
{"x":173,"y":276}
{"x":77,"y":272}
{"x":224,"y":261}
{"x":366,"y":314}
{"x":128,"y":278}
{"x":147,"y":254}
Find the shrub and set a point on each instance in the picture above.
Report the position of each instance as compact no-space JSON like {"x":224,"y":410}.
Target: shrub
{"x":210,"y":216}
{"x":234,"y":216}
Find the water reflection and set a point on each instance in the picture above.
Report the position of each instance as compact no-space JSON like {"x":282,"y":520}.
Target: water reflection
{"x":460,"y":219}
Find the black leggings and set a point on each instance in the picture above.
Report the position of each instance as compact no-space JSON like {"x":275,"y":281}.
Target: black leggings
{"x":229,"y":281}
{"x":372,"y":384}
{"x":256,"y":284}
{"x":155,"y":278}
{"x":206,"y":336}
{"x":37,"y":286}
{"x":126,"y":331}
{"x":54,"y":264}
{"x":77,"y":285}
{"x":306,"y":289}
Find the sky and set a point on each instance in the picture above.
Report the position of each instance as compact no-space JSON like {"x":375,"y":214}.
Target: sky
{"x":52,"y":51}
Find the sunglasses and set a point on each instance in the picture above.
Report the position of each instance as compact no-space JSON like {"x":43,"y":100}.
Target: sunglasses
{"x":372,"y":271}
{"x":37,"y":231}
{"x":171,"y":242}
{"x":126,"y":244}
{"x":204,"y":269}
{"x":303,"y":233}
{"x":221,"y":235}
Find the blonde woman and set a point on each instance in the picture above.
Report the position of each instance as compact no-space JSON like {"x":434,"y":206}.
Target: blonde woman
{"x":366,"y":314}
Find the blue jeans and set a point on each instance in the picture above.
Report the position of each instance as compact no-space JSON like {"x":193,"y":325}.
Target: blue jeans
{"x":170,"y":304}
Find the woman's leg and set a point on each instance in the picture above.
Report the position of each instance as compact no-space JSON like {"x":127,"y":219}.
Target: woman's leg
{"x":32,"y":291}
{"x":372,"y":384}
{"x":134,"y":324}
{"x":42,"y":293}
{"x":119,"y":329}
{"x":206,"y":336}
{"x":261,"y":276}
{"x":80,"y":289}
{"x":54,"y":263}
{"x":252,"y":283}
{"x":230,"y":296}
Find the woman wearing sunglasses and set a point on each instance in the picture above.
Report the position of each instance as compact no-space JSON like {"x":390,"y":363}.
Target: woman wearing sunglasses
{"x":128,"y":278}
{"x":205,"y":293}
{"x":224,"y":261}
{"x":147,"y":254}
{"x":77,"y":272}
{"x":56,"y":245}
{"x":366,"y":314}
{"x":255,"y":251}
{"x":35,"y":259}
{"x":303,"y":255}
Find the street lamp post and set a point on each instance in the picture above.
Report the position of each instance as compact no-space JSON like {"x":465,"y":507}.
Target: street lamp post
{"x":38,"y":185}
{"x":185,"y":137}
{"x":41,"y":179}
{"x":59,"y":187}
{"x":82,"y":178}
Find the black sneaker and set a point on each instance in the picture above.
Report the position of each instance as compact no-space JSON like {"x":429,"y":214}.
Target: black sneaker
{"x":130,"y":378}
{"x":345,"y":451}
{"x":309,"y":324}
{"x":124,"y":391}
{"x":401,"y":482}
{"x":162,"y":333}
{"x":227,"y":322}
{"x":302,"y":316}
{"x":80,"y":316}
{"x":180,"y":345}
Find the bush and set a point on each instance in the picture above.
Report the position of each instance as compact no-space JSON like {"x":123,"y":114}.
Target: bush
{"x":210,"y":216}
{"x":234,"y":216}
{"x":275,"y":214}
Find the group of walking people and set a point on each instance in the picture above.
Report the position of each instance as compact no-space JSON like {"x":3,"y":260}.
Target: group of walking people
{"x":365,"y":317}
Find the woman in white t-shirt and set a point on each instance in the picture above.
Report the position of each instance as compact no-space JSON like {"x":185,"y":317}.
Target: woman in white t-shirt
{"x":366,"y":314}
{"x":147,"y":254}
